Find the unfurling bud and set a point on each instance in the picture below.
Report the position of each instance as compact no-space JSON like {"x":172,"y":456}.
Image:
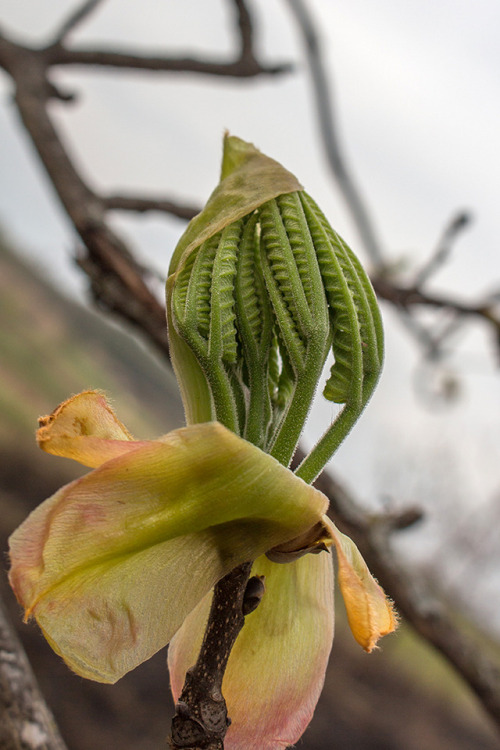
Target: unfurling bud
{"x":261,"y":289}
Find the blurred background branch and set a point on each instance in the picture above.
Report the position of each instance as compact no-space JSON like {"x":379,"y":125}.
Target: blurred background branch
{"x":415,"y":602}
{"x":387,"y":286}
{"x":328,"y":125}
{"x":245,"y":64}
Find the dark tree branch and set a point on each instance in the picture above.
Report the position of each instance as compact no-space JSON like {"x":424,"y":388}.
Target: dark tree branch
{"x":443,"y":249}
{"x":246,"y":64}
{"x":433,"y":338}
{"x":329,"y":133}
{"x":245,"y":28}
{"x":407,"y":298}
{"x":201,"y":719}
{"x":76,"y":18}
{"x":415,"y":602}
{"x":241,"y":68}
{"x":25,"y":721}
{"x":117,"y":281}
{"x":404,"y":298}
{"x":142,"y":205}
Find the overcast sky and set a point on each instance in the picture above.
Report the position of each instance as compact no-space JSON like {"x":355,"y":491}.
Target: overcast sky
{"x":417,"y":89}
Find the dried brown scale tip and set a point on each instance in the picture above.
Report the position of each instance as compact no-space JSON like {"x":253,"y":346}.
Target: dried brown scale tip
{"x":312,"y":541}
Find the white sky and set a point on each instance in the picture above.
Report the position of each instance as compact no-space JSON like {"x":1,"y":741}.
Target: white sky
{"x":417,"y":89}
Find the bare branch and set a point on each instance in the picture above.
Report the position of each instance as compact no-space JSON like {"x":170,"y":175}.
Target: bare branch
{"x":329,"y":133}
{"x":443,"y":249}
{"x":141,"y":205}
{"x":402,"y":297}
{"x":419,"y":606}
{"x":245,"y":29}
{"x":432,"y":339}
{"x":79,"y":15}
{"x":25,"y":720}
{"x":408,"y":297}
{"x":118,"y":282}
{"x":240,"y":68}
{"x":246,"y":65}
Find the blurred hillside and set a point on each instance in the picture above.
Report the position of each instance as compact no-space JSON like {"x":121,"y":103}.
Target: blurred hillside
{"x":401,"y":698}
{"x":51,"y":347}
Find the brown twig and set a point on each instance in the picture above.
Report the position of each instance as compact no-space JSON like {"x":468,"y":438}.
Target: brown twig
{"x":329,"y":133}
{"x":245,"y":65}
{"x":74,"y":20}
{"x":419,"y":606}
{"x":409,"y":297}
{"x":241,"y":68}
{"x":431,"y":338}
{"x":143,"y":204}
{"x":245,"y":26}
{"x":201,"y":719}
{"x":453,"y":228}
{"x":404,"y":298}
{"x":117,"y":282}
